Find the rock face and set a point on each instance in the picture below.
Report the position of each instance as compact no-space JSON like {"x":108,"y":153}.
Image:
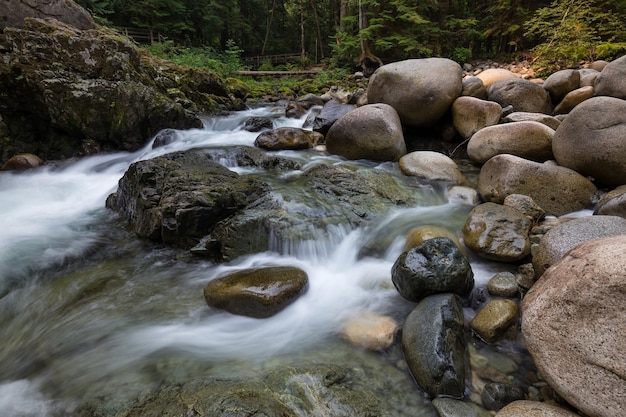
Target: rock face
{"x":370,"y":132}
{"x":563,"y":237}
{"x":592,"y":140}
{"x":257,"y":292}
{"x":529,"y":140}
{"x":431,"y":166}
{"x":557,"y":190}
{"x":497,"y":232}
{"x":114,"y":96}
{"x":288,"y":138}
{"x":14,"y":12}
{"x":434,"y":345}
{"x":612,"y":79}
{"x":435,"y":266}
{"x":421,"y":90}
{"x":523,"y":95}
{"x":574,"y":328}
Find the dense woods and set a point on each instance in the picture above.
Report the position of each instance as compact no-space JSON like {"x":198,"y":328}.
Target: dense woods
{"x":341,"y":32}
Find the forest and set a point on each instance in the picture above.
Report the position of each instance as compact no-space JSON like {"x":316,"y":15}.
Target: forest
{"x":340,"y":33}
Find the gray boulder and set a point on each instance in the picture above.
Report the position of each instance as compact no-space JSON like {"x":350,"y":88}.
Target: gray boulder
{"x":560,"y":83}
{"x":562,"y":238}
{"x":612,"y":79}
{"x":435,"y":266}
{"x":557,"y":190}
{"x":288,"y":138}
{"x":523,"y":95}
{"x":612,"y":203}
{"x":431,"y":166}
{"x":529,"y":140}
{"x":257,"y":292}
{"x":574,"y":328}
{"x":421,"y":90}
{"x":497,"y":232}
{"x":470,"y":114}
{"x":434,"y":345}
{"x":332,"y":111}
{"x":474,"y":87}
{"x":526,"y":408}
{"x":521,"y":116}
{"x":373,"y":131}
{"x":14,"y":12}
{"x":592,"y":140}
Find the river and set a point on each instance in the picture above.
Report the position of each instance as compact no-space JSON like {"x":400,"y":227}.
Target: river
{"x":88,"y":311}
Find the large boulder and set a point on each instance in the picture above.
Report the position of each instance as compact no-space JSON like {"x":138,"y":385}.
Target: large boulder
{"x":557,"y":190}
{"x":115,"y":97}
{"x":421,"y":90}
{"x":573,"y":326}
{"x":431,"y":166}
{"x":257,"y":292}
{"x":434,"y":345}
{"x":565,"y":236}
{"x":435,"y":266}
{"x":592,"y":140}
{"x":529,"y":140}
{"x":497,"y":232}
{"x":373,"y":131}
{"x":523,"y":95}
{"x":470,"y":114}
{"x":13,"y":13}
{"x":560,"y":83}
{"x":612,"y":79}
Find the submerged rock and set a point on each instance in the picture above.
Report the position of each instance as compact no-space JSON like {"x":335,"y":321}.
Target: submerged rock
{"x":257,"y":292}
{"x":496,"y":320}
{"x":290,"y":138}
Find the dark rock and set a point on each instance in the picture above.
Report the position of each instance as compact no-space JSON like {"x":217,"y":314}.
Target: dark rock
{"x":165,"y":137}
{"x":291,"y":138}
{"x":434,"y":345}
{"x":435,"y":266}
{"x":257,"y":292}
{"x":449,"y":407}
{"x":256,"y":124}
{"x":330,"y":113}
{"x":67,"y":11}
{"x":474,"y":87}
{"x":496,"y":395}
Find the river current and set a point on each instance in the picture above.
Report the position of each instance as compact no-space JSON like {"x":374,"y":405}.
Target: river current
{"x":88,"y":310}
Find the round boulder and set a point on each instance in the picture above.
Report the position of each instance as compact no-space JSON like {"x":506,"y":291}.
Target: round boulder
{"x":420,"y":234}
{"x":22,"y":162}
{"x":560,"y":83}
{"x":257,"y":292}
{"x":530,"y":140}
{"x":330,"y":113}
{"x":573,"y":99}
{"x":434,"y":345}
{"x":523,"y":95}
{"x":612,"y":79}
{"x":557,"y":190}
{"x":474,"y":87}
{"x":68,"y":11}
{"x":435,"y":266}
{"x":373,"y":131}
{"x":565,"y":236}
{"x":288,"y":138}
{"x":592,"y":140}
{"x":492,"y":75}
{"x":526,"y":408}
{"x":497,"y":232}
{"x":574,"y":328}
{"x":470,"y":114}
{"x":495,"y":321}
{"x":431,"y":166}
{"x":421,"y":90}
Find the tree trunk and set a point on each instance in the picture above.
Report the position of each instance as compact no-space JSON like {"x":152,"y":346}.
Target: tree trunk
{"x":269,"y":25}
{"x":319,"y":30}
{"x":302,"y":50}
{"x":368,"y":61}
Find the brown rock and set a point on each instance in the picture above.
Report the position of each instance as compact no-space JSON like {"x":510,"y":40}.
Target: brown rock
{"x":495,"y":319}
{"x":291,"y":138}
{"x":525,"y":408}
{"x":21,"y":162}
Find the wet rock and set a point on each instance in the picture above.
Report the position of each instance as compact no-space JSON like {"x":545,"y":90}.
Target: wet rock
{"x":560,"y":83}
{"x":257,"y":124}
{"x":370,"y":132}
{"x":470,"y":114}
{"x":68,"y":12}
{"x":370,"y":331}
{"x":497,"y":232}
{"x":420,"y":90}
{"x":496,"y":395}
{"x":612,"y":79}
{"x":573,"y":99}
{"x":573,"y":326}
{"x":431,"y":166}
{"x":435,"y":266}
{"x":496,"y":320}
{"x":591,"y":140}
{"x":503,"y":284}
{"x":523,"y":95}
{"x":22,"y":162}
{"x":257,"y":292}
{"x":526,"y":205}
{"x":558,"y":190}
{"x":434,"y":345}
{"x":463,"y":195}
{"x":419,"y":234}
{"x":448,"y":407}
{"x":332,"y":111}
{"x":550,"y":121}
{"x":295,"y":110}
{"x":165,"y":137}
{"x":525,"y":408}
{"x":288,"y":138}
{"x":529,"y":140}
{"x":560,"y":239}
{"x":612,"y":203}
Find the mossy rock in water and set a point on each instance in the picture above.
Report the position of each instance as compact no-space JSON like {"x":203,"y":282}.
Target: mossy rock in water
{"x":257,"y":292}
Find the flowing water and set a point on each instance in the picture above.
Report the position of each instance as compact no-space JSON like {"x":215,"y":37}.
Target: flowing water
{"x":89,"y":311}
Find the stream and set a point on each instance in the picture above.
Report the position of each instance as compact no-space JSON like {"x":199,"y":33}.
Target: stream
{"x":92,"y":317}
